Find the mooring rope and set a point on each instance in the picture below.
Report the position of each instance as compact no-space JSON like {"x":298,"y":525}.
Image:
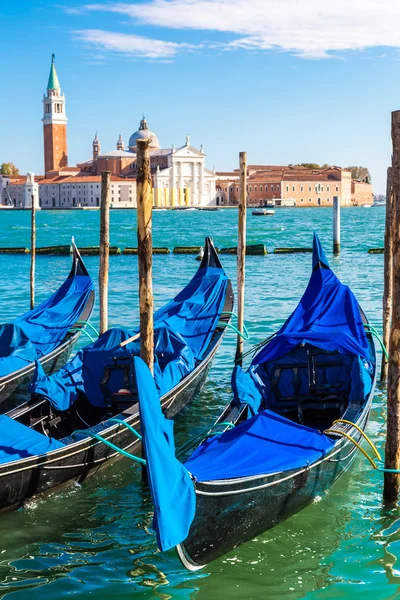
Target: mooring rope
{"x":374,"y":465}
{"x":99,"y":438}
{"x":375,"y":333}
{"x":245,"y":334}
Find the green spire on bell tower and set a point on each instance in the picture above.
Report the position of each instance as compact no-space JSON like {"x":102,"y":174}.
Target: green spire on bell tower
{"x":53,"y":83}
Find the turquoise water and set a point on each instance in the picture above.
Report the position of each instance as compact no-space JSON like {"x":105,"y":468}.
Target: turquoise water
{"x":95,"y":540}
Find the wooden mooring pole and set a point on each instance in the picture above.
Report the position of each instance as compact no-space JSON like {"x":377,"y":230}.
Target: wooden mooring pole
{"x":336,"y":225}
{"x":387,"y":273}
{"x":33,"y":252}
{"x":145,"y":251}
{"x":241,"y":253}
{"x":392,"y":449}
{"x":104,"y":250}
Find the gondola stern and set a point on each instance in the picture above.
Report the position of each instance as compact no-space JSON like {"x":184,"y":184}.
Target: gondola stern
{"x":78,"y":266}
{"x":319,"y":260}
{"x":210,"y":257}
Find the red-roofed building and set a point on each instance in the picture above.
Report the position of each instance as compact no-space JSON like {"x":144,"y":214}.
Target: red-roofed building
{"x":293,"y":186}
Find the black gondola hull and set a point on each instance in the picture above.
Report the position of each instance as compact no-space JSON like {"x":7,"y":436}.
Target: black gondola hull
{"x":25,"y":479}
{"x":15,"y":385}
{"x":233,"y":512}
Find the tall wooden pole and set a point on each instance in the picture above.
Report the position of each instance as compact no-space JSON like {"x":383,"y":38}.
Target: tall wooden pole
{"x":104,"y":248}
{"x":144,"y":192}
{"x":241,"y":252}
{"x":387,"y":273}
{"x":392,"y":449}
{"x":336,"y":225}
{"x":33,"y":252}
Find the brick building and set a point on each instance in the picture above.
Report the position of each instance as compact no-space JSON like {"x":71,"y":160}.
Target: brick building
{"x":293,"y":186}
{"x":54,"y":124}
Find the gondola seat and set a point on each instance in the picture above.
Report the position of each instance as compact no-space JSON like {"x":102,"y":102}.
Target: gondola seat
{"x":18,"y":441}
{"x":307,"y":379}
{"x":102,"y":369}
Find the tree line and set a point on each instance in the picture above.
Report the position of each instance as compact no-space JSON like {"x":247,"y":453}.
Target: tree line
{"x":8,"y":169}
{"x":358,"y":173}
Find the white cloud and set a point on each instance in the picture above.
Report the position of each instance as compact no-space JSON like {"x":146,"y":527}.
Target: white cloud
{"x":135,"y":45}
{"x":309,"y":28}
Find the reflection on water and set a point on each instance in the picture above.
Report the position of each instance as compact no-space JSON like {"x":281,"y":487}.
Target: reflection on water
{"x":95,"y":540}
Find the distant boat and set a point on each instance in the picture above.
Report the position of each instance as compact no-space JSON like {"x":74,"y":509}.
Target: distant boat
{"x":366,"y":205}
{"x":263,"y":213}
{"x":208,"y":208}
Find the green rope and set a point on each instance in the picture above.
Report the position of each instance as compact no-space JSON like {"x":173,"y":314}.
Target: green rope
{"x":383,"y":470}
{"x":81,"y":330}
{"x":125,"y":424}
{"x":245,"y":335}
{"x":89,"y":325}
{"x":374,"y":332}
{"x":98,"y":437}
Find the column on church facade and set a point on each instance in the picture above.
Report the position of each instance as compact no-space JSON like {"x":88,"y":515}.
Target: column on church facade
{"x":201,"y":199}
{"x":181,"y":192}
{"x":194,"y":184}
{"x":173,"y":167}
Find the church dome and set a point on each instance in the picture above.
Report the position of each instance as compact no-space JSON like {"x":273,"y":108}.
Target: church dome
{"x":143,"y":133}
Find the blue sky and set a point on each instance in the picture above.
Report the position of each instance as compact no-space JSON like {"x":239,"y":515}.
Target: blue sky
{"x":286,"y":81}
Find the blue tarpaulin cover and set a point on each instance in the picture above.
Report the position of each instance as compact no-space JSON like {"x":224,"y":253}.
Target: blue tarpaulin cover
{"x":182,"y":333}
{"x":41,"y":330}
{"x":245,"y":390}
{"x":196,"y":310}
{"x":171,"y":488}
{"x":266,"y":443}
{"x":18,"y":441}
{"x":327,"y":316}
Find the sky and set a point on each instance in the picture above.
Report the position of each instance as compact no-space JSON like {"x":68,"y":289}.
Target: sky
{"x":286,"y":81}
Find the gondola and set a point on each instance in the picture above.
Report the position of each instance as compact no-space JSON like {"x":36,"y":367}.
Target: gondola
{"x":47,"y":333}
{"x":86,"y":415}
{"x":282,"y":441}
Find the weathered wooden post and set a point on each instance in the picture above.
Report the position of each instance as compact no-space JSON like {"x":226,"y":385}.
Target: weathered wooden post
{"x":33,"y":252}
{"x":104,"y":250}
{"x":392,"y":449}
{"x":241,"y":252}
{"x":336,"y":225}
{"x":387,"y":273}
{"x":145,"y":251}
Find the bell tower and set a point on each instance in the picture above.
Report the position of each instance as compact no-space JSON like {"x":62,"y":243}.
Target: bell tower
{"x":54,"y":124}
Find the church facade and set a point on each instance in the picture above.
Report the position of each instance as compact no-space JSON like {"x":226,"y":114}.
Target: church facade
{"x":180,"y":176}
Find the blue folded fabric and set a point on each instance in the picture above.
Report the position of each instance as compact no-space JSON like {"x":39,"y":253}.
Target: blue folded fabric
{"x":18,"y":441}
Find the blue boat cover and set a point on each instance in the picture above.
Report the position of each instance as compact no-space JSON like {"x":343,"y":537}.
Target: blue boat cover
{"x":85,"y":372}
{"x":18,"y":441}
{"x":16,"y":349}
{"x":245,"y":390}
{"x":41,"y":330}
{"x":196,"y":310}
{"x":266,"y":443}
{"x":182,"y":333}
{"x":327,"y":316}
{"x":171,"y":488}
